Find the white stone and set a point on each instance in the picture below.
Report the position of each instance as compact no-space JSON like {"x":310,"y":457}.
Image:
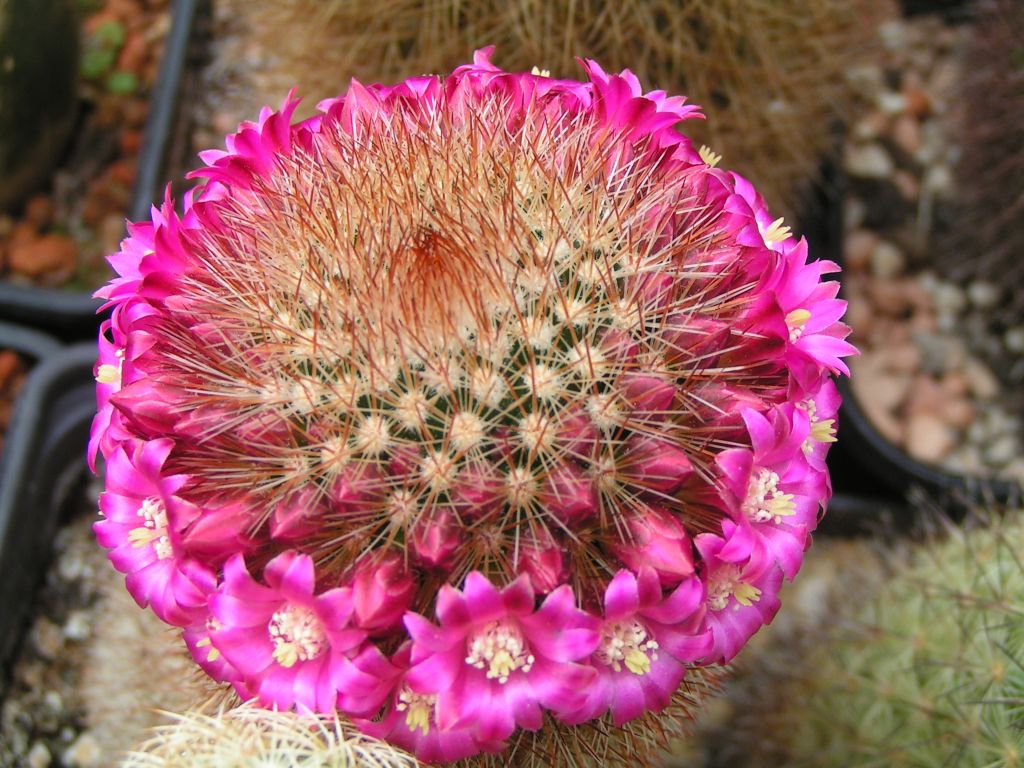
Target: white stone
{"x":982,"y":382}
{"x":39,"y":756}
{"x":928,"y":438}
{"x":949,"y":298}
{"x":887,"y":260}
{"x":1014,"y":339}
{"x":891,"y":102}
{"x":868,"y":161}
{"x":983,"y":294}
{"x":84,"y":753}
{"x":1002,"y":451}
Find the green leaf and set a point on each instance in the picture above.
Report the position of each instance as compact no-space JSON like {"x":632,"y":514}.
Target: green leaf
{"x":122,"y":82}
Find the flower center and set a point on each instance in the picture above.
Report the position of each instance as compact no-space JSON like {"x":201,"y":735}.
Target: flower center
{"x":765,"y":501}
{"x":774,"y":233}
{"x":727,"y":581}
{"x":153,"y":529}
{"x":500,"y":649}
{"x":625,"y":642}
{"x":822,"y":430}
{"x":418,"y":708}
{"x":111,"y":374}
{"x":712,"y":159}
{"x":795,"y":321}
{"x":297,"y":635}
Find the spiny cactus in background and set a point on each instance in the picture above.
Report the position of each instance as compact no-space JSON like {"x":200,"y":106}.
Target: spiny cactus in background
{"x":926,"y":668}
{"x":135,"y":664}
{"x":772,"y":70}
{"x":495,"y":348}
{"x":988,"y":239}
{"x":247,"y":736}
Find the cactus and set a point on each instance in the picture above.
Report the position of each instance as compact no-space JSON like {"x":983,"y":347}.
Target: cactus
{"x":924,"y":667}
{"x":989,"y":238}
{"x":38,"y":74}
{"x":498,"y":349}
{"x":248,"y":735}
{"x":774,"y":70}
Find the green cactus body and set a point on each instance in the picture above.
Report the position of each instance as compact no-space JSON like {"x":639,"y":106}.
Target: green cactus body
{"x":927,"y":672}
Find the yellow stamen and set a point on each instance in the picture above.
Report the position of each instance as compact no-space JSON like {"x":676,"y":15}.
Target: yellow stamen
{"x":709,"y":157}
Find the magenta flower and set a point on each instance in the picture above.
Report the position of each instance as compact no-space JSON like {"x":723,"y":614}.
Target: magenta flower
{"x":142,"y":527}
{"x":410,"y":719}
{"x":283,"y":639}
{"x":742,"y":590}
{"x":492,"y":347}
{"x":773,"y":494}
{"x":495,"y":662}
{"x":646,"y":640}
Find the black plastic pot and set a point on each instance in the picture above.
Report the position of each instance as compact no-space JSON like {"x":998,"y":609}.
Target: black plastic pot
{"x":863,"y":463}
{"x":71,"y":315}
{"x":43,"y":458}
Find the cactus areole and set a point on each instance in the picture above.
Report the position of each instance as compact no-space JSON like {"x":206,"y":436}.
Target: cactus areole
{"x":467,"y":400}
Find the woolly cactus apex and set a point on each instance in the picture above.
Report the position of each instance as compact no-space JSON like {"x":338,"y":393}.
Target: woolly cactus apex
{"x":465,"y":406}
{"x":927,"y":668}
{"x":249,"y":735}
{"x":991,"y":167}
{"x":774,"y":70}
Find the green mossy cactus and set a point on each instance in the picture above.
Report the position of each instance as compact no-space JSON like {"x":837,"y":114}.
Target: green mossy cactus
{"x":927,"y":669}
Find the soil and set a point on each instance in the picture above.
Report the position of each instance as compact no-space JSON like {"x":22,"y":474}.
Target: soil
{"x":941,"y":370}
{"x":12,"y":375}
{"x":61,"y":235}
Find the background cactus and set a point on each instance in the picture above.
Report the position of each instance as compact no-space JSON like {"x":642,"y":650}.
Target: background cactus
{"x":924,"y":667}
{"x":770,"y":72}
{"x":248,"y":735}
{"x":38,"y":71}
{"x":991,"y":168}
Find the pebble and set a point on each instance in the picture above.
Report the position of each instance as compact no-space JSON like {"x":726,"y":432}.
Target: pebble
{"x":982,"y":382}
{"x":84,"y":753}
{"x":1002,"y":450}
{"x":39,"y":211}
{"x":983,"y":294}
{"x":47,"y":639}
{"x":907,"y":184}
{"x":949,"y":298}
{"x":42,"y":255}
{"x":1014,"y":339}
{"x":938,"y":179}
{"x":77,"y":627}
{"x":39,"y":756}
{"x":906,"y":132}
{"x":858,"y":245}
{"x":958,"y":412}
{"x":868,"y":161}
{"x":929,"y":439}
{"x":887,"y":260}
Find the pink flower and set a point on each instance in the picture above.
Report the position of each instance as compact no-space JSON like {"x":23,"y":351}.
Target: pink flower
{"x":646,"y":641}
{"x":284,"y":639}
{"x":382,"y":590}
{"x":773,"y":494}
{"x":742,"y":591}
{"x":657,"y":541}
{"x":410,"y":721}
{"x":495,"y":662}
{"x":142,"y":526}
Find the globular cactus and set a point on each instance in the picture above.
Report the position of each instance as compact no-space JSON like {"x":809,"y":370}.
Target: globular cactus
{"x":247,"y":735}
{"x":919,"y":665}
{"x":774,"y":70}
{"x":497,"y":348}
